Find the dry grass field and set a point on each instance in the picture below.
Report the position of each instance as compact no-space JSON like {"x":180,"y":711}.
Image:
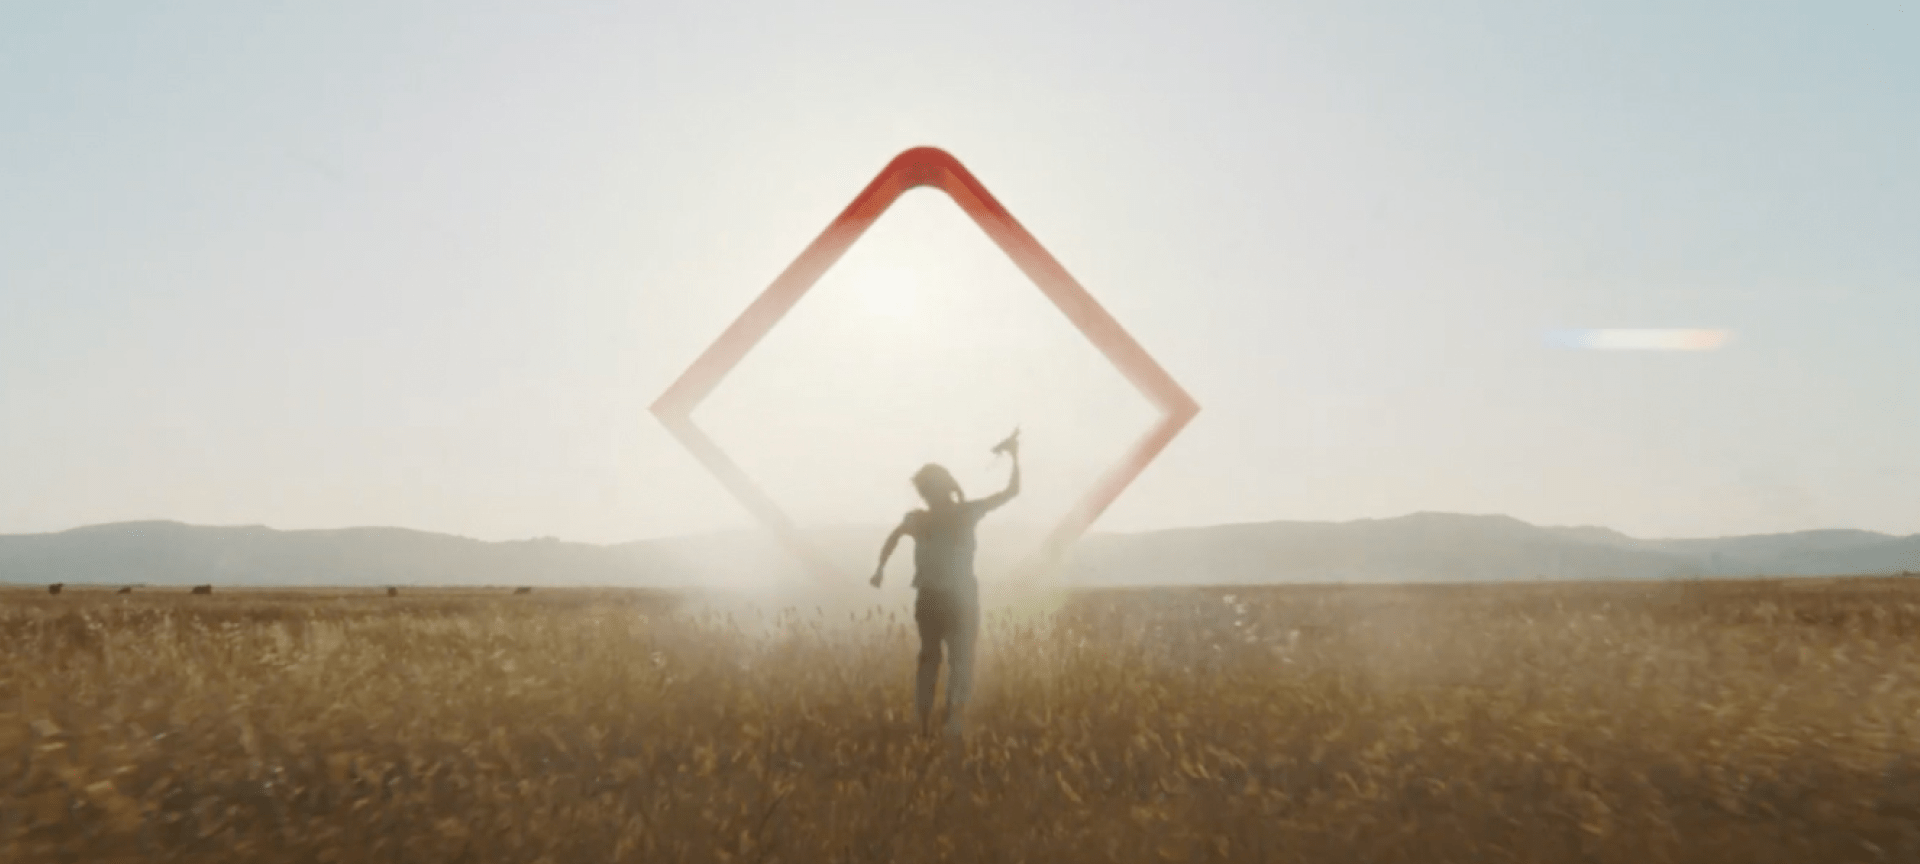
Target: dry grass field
{"x":1739,"y":722}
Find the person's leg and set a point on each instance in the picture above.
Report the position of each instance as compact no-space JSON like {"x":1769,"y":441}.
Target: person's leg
{"x":962,"y":635}
{"x":926,"y":615}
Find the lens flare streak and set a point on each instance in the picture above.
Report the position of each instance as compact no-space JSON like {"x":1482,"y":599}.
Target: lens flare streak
{"x":1638,"y":340}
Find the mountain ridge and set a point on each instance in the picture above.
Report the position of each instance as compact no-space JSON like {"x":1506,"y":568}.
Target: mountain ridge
{"x":1416,"y":547}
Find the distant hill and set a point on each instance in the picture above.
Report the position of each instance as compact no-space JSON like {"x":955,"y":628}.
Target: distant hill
{"x":1422,"y":547}
{"x":1449,"y":547}
{"x":1800,"y":553}
{"x":170,"y":553}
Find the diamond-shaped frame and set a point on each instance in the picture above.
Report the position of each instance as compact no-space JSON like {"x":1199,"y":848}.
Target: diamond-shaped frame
{"x":925,"y":166}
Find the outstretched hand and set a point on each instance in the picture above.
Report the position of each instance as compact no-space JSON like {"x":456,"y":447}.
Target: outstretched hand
{"x":1010,"y":446}
{"x":875,"y":581}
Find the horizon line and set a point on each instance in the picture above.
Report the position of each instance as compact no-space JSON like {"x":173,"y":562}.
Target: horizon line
{"x":880,"y":526}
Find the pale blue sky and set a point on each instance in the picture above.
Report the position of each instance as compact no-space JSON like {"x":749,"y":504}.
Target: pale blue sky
{"x":427,"y":264}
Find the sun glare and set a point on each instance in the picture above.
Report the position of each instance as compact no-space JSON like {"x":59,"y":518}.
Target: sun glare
{"x":889,"y":293}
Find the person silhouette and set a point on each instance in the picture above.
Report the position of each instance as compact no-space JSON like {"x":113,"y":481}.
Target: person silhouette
{"x":947,"y":608}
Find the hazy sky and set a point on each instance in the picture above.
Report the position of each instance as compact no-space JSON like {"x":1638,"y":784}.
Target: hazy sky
{"x":426,"y":265}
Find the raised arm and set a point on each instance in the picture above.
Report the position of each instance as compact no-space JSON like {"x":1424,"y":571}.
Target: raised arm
{"x":1013,"y":484}
{"x":886,"y":551}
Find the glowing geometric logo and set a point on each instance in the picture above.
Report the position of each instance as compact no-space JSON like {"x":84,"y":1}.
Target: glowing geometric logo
{"x":925,"y":166}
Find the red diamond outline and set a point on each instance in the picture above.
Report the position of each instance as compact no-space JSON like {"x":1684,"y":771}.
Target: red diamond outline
{"x":915,"y":167}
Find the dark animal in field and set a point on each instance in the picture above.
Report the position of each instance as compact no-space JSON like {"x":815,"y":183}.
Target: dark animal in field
{"x":393,"y":592}
{"x":203,"y":589}
{"x":523,"y":590}
{"x":55,"y":587}
{"x":126,"y":590}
